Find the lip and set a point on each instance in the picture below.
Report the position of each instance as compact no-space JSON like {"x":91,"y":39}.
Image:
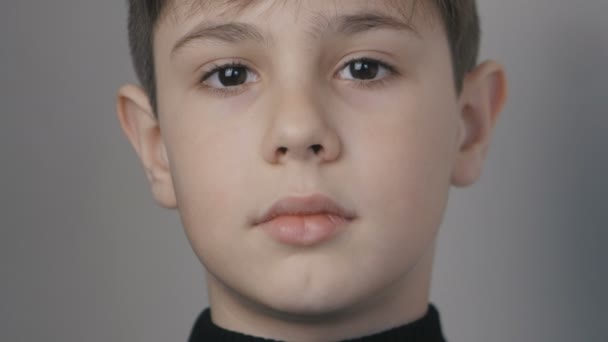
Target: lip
{"x":316,"y":204}
{"x":304,"y":221}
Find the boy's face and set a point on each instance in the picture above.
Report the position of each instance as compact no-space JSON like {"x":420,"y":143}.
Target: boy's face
{"x":347,"y":99}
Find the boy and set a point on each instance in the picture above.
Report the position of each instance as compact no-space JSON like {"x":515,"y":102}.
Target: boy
{"x":309,"y":147}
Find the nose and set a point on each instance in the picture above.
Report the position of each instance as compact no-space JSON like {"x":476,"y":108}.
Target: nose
{"x":299,"y":130}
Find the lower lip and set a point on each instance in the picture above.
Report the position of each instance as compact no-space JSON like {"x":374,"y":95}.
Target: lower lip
{"x":304,"y":230}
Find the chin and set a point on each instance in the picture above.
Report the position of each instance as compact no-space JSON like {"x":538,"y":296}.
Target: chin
{"x":304,"y":307}
{"x":301,"y":297}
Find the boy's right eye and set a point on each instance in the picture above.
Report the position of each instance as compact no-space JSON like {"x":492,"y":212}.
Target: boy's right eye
{"x":228,"y":76}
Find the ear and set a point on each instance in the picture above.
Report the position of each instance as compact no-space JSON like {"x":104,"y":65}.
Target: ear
{"x":143,"y":131}
{"x":482,"y":98}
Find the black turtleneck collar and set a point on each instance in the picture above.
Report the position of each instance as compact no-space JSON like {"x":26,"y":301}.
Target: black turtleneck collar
{"x":425,"y":329}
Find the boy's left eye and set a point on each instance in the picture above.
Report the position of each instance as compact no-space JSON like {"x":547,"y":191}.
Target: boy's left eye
{"x":365,"y":70}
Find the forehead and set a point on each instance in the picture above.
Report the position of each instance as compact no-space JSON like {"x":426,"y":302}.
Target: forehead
{"x":176,"y":12}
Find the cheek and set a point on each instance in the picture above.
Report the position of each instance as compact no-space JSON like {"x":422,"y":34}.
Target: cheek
{"x":207,"y":163}
{"x":403,"y":165}
{"x":401,"y":182}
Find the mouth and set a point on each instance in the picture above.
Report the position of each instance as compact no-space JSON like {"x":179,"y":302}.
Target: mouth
{"x":304,"y":221}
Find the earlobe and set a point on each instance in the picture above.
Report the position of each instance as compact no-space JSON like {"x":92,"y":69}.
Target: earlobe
{"x":481,"y":101}
{"x":143,"y":131}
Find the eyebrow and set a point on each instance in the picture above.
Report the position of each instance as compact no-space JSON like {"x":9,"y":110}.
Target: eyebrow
{"x":349,"y":25}
{"x":361,"y":22}
{"x":226,"y":33}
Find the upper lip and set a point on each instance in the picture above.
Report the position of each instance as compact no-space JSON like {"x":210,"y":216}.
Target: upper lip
{"x":310,"y":205}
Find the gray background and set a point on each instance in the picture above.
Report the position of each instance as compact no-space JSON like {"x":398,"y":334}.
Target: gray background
{"x":86,"y":255}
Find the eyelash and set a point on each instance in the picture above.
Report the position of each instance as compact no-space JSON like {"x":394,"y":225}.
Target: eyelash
{"x":235,"y":90}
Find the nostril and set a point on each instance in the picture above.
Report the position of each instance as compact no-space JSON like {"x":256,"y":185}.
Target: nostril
{"x":282,"y":150}
{"x":316,"y":148}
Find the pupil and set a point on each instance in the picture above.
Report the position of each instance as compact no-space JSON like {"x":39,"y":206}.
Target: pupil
{"x":364,"y":70}
{"x":233,"y":76}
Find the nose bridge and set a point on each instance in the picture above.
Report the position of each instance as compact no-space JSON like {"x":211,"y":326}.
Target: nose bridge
{"x":299,"y":128}
{"x":299,"y":114}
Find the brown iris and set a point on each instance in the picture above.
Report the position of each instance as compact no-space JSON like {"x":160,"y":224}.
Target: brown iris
{"x":233,"y":76}
{"x":364,"y":70}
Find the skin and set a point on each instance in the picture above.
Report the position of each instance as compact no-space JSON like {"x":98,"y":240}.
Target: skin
{"x":391,"y":149}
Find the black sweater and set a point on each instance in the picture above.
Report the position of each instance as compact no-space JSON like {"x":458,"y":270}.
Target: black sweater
{"x":425,"y":329}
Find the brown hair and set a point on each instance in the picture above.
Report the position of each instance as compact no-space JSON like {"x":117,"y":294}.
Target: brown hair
{"x":460,"y":19}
